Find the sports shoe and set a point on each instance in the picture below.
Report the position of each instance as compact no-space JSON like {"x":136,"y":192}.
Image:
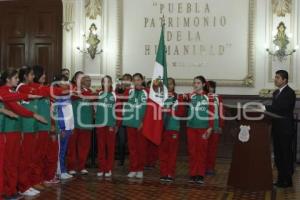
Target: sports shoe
{"x":132,"y":175}
{"x":109,"y":174}
{"x":65,"y":176}
{"x":72,"y":172}
{"x":28,"y":193}
{"x":139,"y":175}
{"x":100,"y":174}
{"x":84,"y":172}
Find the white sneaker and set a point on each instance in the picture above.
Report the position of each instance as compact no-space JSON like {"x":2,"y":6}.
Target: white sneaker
{"x":72,"y":172}
{"x":28,"y":193}
{"x":34,"y":190}
{"x":65,"y":176}
{"x":84,"y":172}
{"x":100,"y":174}
{"x":108,"y":174}
{"x":69,"y":175}
{"x":131,"y":175}
{"x":139,"y":175}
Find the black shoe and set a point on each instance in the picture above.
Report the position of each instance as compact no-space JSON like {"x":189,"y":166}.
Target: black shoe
{"x":283,"y":184}
{"x":277,"y":183}
{"x":163,"y":179}
{"x":199,"y":180}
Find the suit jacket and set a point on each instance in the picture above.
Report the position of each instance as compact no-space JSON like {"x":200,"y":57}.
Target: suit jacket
{"x":283,"y":104}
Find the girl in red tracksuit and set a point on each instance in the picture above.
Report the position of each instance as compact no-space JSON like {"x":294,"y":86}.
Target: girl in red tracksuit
{"x":170,"y":138}
{"x":11,"y":128}
{"x":79,"y":145}
{"x":213,"y":140}
{"x":44,"y":160}
{"x":72,"y":144}
{"x":29,"y":133}
{"x":107,"y":126}
{"x":133,"y":116}
{"x":199,"y":128}
{"x":3,"y":111}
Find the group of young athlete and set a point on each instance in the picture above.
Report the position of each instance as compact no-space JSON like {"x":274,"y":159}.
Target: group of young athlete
{"x":45,"y":129}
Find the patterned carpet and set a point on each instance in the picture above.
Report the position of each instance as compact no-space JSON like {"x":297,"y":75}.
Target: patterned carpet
{"x":119,"y":187}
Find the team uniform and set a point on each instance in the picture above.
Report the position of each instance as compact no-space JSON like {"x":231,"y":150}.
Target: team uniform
{"x":29,"y":139}
{"x":80,"y":140}
{"x":64,"y":121}
{"x":44,"y":163}
{"x":11,"y":128}
{"x":106,"y":124}
{"x":200,"y":119}
{"x":133,"y":115}
{"x":213,"y":140}
{"x":168,"y":148}
{"x":7,"y":97}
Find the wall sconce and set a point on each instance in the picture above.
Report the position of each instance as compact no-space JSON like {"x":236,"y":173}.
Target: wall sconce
{"x":281,"y":41}
{"x":92,"y":42}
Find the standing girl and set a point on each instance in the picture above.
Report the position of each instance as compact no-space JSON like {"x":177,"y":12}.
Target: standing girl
{"x":199,"y":129}
{"x":43,"y":168}
{"x":133,"y":116}
{"x":170,"y":138}
{"x":64,"y":120}
{"x":12,"y":129}
{"x":3,"y":111}
{"x":80,"y":141}
{"x":72,"y":150}
{"x":106,"y":124}
{"x":29,"y":129}
{"x":213,"y":140}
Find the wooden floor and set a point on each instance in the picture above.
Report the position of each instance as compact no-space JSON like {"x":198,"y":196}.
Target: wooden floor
{"x":90,"y":187}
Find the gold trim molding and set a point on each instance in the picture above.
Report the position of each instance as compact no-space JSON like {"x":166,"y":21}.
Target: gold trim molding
{"x":93,"y":8}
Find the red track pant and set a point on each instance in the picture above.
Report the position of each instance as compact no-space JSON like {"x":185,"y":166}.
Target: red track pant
{"x":26,"y":161}
{"x":106,"y":148}
{"x":151,"y":153}
{"x":197,"y":148}
{"x":50,"y":165}
{"x":212,"y":148}
{"x":2,"y":149}
{"x":168,"y":150}
{"x":39,"y":157}
{"x":11,"y":162}
{"x":137,"y":149}
{"x":78,"y":149}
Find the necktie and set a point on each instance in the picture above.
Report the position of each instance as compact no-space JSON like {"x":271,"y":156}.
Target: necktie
{"x":277,"y":94}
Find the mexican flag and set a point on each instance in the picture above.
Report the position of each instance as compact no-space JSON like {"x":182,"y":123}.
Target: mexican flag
{"x":153,"y":120}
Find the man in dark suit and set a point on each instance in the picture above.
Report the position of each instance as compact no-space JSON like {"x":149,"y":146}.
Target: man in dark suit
{"x":283,"y":104}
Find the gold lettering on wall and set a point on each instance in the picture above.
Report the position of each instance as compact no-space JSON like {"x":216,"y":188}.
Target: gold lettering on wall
{"x":187,"y":26}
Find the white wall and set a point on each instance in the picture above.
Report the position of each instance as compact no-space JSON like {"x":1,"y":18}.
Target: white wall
{"x":110,"y":31}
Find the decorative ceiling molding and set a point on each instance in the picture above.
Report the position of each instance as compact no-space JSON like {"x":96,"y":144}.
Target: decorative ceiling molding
{"x":282,"y":7}
{"x":93,"y":8}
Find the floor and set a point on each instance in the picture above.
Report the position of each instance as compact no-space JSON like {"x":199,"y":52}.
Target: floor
{"x":119,"y":187}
